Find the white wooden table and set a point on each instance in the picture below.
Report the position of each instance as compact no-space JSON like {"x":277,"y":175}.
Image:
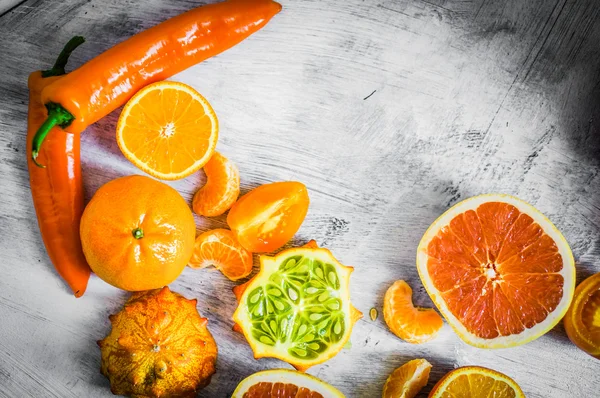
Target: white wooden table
{"x":389,"y":111}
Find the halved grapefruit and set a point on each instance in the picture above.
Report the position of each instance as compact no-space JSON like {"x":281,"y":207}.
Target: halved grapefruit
{"x":498,"y":270}
{"x":283,"y":383}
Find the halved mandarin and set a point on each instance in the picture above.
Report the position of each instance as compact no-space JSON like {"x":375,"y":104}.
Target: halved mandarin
{"x":498,"y":271}
{"x":168,"y":130}
{"x":582,"y":321}
{"x":221,"y":190}
{"x":412,"y":324}
{"x":219,"y":248}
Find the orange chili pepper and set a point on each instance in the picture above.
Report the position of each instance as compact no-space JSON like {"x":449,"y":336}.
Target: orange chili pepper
{"x":108,"y":81}
{"x":57,"y":189}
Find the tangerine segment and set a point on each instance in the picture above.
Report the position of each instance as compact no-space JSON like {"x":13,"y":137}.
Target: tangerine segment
{"x":168,"y":130}
{"x":498,"y":270}
{"x":414,"y":325}
{"x":582,"y":321}
{"x":283,"y":383}
{"x":298,"y":307}
{"x":407,"y":380}
{"x":476,"y":382}
{"x":222,"y":187}
{"x":219,"y":248}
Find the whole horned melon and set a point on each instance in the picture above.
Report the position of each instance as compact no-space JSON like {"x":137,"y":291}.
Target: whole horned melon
{"x":159,"y":346}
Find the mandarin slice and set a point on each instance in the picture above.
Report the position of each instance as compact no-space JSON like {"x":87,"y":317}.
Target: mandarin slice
{"x":407,"y":380}
{"x":221,"y":190}
{"x":219,"y":248}
{"x":411,"y":324}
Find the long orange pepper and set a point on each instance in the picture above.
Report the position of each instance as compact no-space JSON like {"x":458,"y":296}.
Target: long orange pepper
{"x":57,"y":189}
{"x":108,"y":81}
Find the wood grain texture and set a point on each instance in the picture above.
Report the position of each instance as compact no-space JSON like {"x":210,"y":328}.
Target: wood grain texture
{"x":389,"y":110}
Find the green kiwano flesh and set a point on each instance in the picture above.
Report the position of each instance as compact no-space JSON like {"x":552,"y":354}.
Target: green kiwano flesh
{"x":300,"y":306}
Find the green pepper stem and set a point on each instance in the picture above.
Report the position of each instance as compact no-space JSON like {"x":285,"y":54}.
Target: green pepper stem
{"x":61,"y":62}
{"x":57,"y":116}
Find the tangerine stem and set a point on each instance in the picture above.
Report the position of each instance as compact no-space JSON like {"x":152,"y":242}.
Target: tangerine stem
{"x":137,"y":233}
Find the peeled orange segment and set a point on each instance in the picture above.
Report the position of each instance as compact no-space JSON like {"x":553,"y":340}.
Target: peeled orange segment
{"x":414,"y":325}
{"x":283,"y":383}
{"x":219,"y":248}
{"x":498,"y":271}
{"x":168,"y":130}
{"x":222,"y":187}
{"x":297,"y":308}
{"x":476,"y":382}
{"x":407,"y":380}
{"x":582,"y":321}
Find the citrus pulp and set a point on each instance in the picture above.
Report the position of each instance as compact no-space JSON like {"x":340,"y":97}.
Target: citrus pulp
{"x":168,"y":130}
{"x":476,"y":382}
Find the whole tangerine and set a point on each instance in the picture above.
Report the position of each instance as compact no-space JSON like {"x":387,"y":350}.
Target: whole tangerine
{"x":137,"y":233}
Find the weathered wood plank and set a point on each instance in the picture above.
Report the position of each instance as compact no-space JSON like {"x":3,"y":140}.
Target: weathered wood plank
{"x":389,"y":111}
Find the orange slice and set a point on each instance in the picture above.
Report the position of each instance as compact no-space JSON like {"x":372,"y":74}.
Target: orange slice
{"x":219,"y":248}
{"x":414,"y":325}
{"x":222,"y":187}
{"x":168,"y":130}
{"x":582,"y":321}
{"x":498,"y":270}
{"x":407,"y":380}
{"x":476,"y":382}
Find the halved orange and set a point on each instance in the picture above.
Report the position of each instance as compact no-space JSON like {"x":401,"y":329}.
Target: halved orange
{"x":498,"y":271}
{"x":476,"y":382}
{"x":407,"y":380}
{"x":222,"y":187}
{"x":168,"y":130}
{"x":219,"y":248}
{"x":582,"y":321}
{"x":414,"y":325}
